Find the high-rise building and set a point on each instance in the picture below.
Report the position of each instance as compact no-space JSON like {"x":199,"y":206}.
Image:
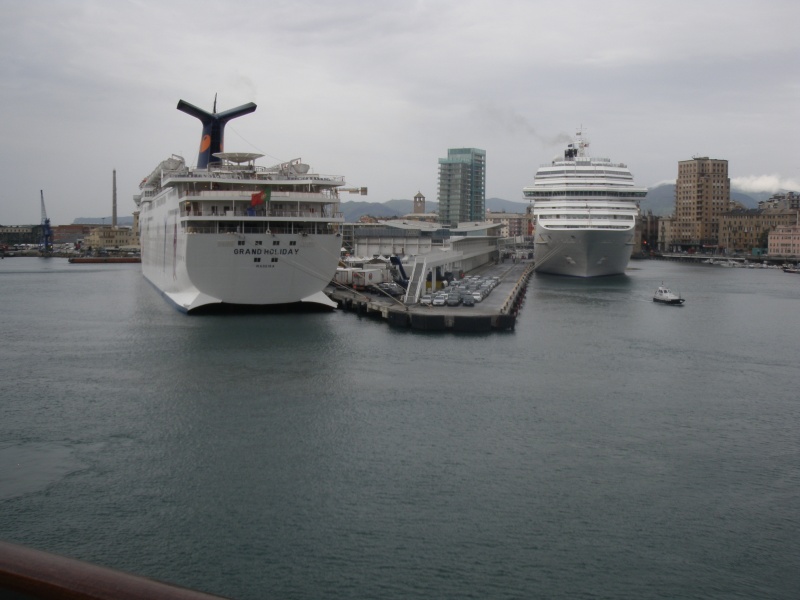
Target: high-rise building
{"x":702,"y":194}
{"x":462,"y":186}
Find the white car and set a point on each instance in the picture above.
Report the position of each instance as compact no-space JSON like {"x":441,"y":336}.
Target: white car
{"x":426,"y":299}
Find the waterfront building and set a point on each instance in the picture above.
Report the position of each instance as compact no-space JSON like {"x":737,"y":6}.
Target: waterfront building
{"x":787,"y":201}
{"x":111,"y":238}
{"x":784,"y":241}
{"x":666,"y":226}
{"x":462,"y":186}
{"x":702,"y":194}
{"x":647,"y":230}
{"x":407,"y":237}
{"x":747,"y":230}
{"x":70,"y":234}
{"x":20,"y":234}
{"x":426,"y":217}
{"x":512,"y":224}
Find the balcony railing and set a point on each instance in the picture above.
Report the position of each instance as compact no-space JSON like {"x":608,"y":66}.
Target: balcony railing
{"x":241,"y":213}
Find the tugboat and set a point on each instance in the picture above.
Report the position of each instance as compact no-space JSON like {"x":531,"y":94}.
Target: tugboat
{"x":664,"y":295}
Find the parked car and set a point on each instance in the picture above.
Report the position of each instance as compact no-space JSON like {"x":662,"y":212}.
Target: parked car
{"x":438,"y":300}
{"x":453,"y":300}
{"x":477,"y":296}
{"x":392,"y":288}
{"x":426,"y":299}
{"x":468,"y":300}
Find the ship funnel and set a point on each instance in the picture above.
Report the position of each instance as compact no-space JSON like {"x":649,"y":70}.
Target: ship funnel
{"x":213,"y":128}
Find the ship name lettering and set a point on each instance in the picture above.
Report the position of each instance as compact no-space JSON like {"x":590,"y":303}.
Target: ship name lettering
{"x":267,"y":251}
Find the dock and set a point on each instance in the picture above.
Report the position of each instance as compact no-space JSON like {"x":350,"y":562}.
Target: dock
{"x":497,"y":312}
{"x":104,"y":259}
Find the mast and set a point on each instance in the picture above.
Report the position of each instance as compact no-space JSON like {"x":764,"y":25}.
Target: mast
{"x":213,"y":136}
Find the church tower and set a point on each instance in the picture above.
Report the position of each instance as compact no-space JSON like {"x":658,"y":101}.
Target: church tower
{"x":419,"y":204}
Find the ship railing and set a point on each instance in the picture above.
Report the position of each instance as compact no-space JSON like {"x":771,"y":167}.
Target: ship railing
{"x":606,"y":225}
{"x":338,"y":179}
{"x":30,"y":574}
{"x":259,"y":175}
{"x":256,"y":213}
{"x":244,"y":196}
{"x":261,"y":228}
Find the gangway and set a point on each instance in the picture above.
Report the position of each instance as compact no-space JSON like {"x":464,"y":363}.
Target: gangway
{"x":423,"y":264}
{"x":416,"y":281}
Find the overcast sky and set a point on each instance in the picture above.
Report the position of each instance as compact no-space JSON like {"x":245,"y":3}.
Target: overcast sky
{"x":378,"y":91}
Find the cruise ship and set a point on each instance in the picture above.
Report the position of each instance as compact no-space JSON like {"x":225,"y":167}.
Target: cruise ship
{"x":230,"y":234}
{"x":585,"y":210}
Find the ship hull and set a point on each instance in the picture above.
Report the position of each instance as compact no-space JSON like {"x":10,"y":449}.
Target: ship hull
{"x":228,"y":270}
{"x":582,"y":253}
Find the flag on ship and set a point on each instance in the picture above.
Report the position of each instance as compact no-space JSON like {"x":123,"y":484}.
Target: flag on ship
{"x":259,"y":198}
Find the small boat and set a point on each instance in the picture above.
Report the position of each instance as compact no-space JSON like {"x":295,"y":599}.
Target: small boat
{"x":665,"y":296}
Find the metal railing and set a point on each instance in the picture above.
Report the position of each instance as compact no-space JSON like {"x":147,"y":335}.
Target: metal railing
{"x":244,"y":213}
{"x":26,"y":573}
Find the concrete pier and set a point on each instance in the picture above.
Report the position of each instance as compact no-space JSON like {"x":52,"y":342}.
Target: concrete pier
{"x":497,"y":312}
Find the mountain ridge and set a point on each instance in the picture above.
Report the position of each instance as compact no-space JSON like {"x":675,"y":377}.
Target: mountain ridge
{"x":660,"y":201}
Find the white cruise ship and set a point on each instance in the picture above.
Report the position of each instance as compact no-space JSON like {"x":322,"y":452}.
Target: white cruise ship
{"x":228,"y":233}
{"x":585,"y":211}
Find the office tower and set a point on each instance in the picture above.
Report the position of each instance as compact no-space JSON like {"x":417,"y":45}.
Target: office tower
{"x":462,"y":186}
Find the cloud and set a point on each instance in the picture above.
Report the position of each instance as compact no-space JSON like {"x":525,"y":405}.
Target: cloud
{"x":764,"y":183}
{"x":378,"y":95}
{"x":663,"y":182}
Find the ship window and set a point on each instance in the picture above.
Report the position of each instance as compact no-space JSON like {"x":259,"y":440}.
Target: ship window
{"x":276,"y":243}
{"x":257,"y":259}
{"x":274,"y":259}
{"x":240,"y":243}
{"x":259,"y":243}
{"x":293,"y":243}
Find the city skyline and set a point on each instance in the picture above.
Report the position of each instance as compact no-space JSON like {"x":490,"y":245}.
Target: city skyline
{"x":378,"y":95}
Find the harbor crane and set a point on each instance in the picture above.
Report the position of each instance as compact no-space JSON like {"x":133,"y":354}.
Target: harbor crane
{"x":46,"y":244}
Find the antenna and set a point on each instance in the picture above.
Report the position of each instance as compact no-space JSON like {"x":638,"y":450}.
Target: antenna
{"x":581,"y":143}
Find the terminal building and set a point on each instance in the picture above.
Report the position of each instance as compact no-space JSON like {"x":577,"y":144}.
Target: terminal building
{"x":428,"y":250}
{"x":430,"y":247}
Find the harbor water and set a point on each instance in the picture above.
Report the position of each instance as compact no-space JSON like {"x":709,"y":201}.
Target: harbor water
{"x":608,"y":447}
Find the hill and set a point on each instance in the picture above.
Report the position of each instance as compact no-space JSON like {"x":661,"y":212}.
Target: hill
{"x":397,"y":208}
{"x":661,"y":199}
{"x":121,"y":221}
